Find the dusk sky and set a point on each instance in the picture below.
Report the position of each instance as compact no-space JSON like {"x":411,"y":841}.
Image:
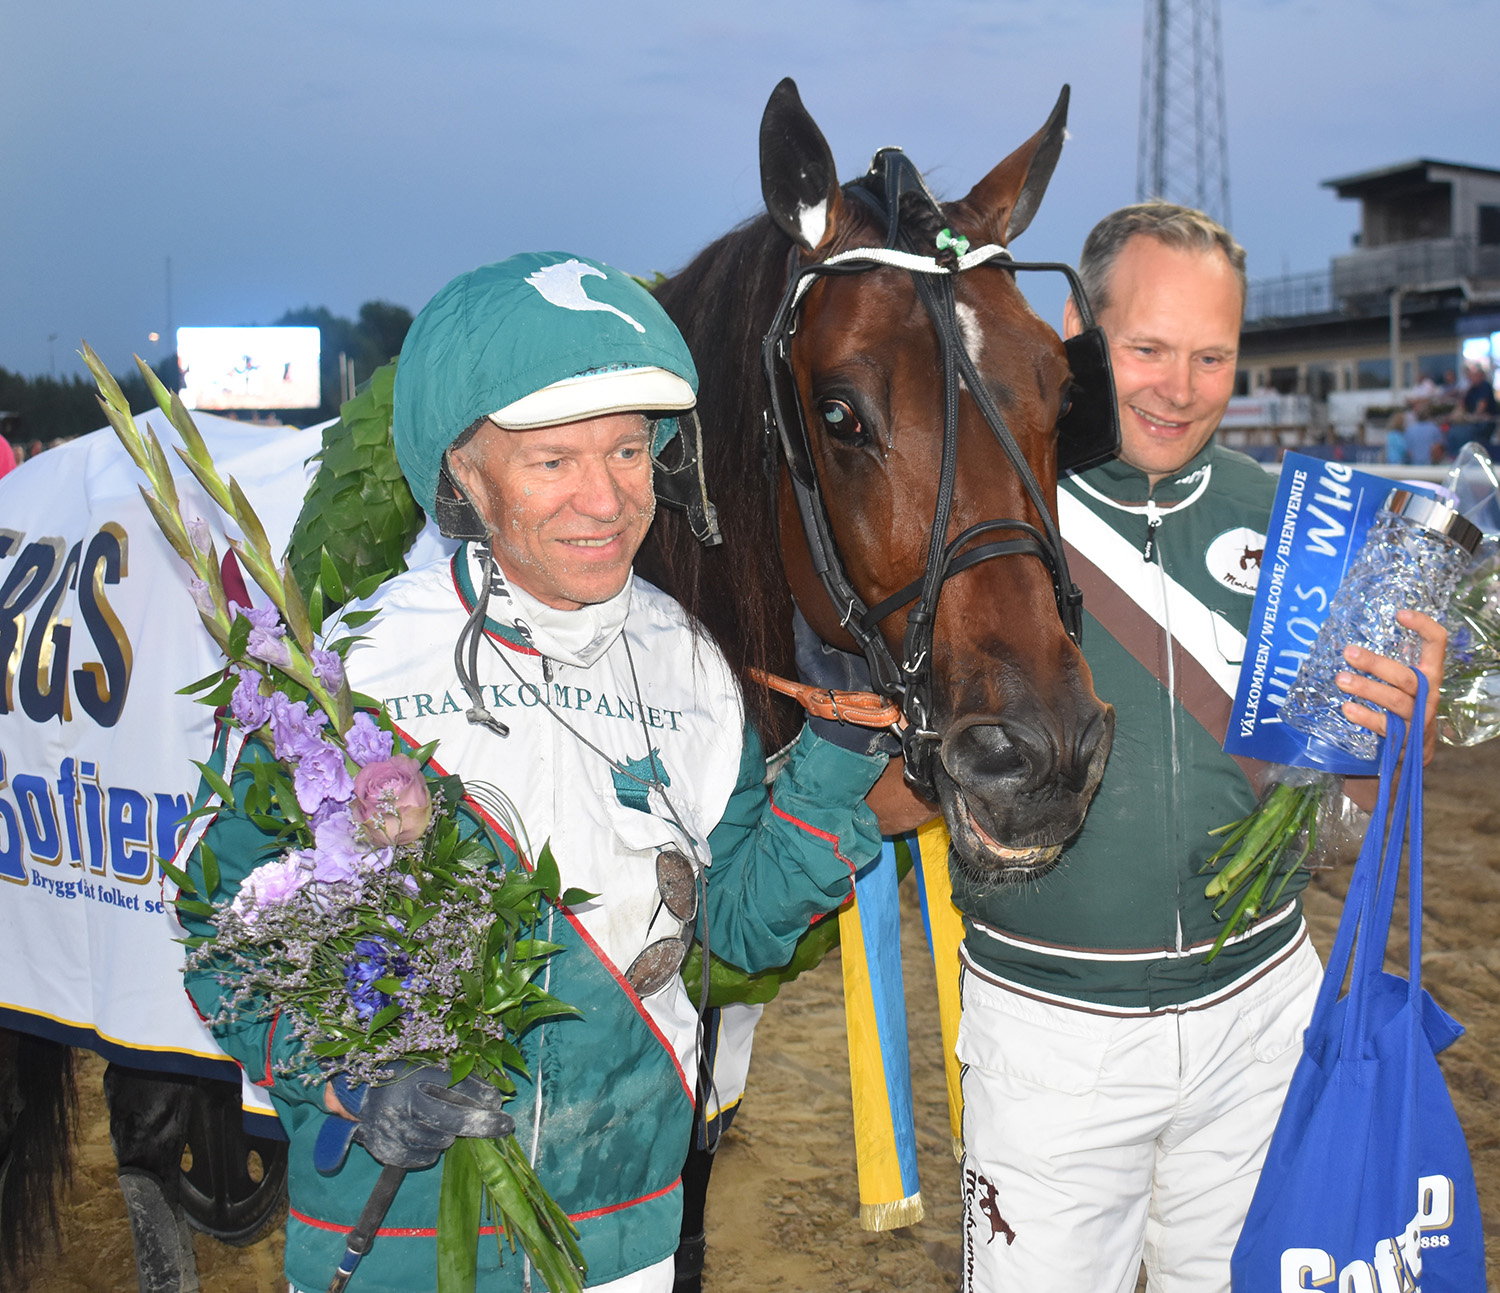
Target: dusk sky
{"x":329,"y":153}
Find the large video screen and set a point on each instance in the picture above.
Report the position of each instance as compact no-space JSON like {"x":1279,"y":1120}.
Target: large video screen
{"x":250,"y":368}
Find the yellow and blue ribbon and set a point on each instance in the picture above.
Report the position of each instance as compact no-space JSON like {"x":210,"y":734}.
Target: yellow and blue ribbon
{"x":885,"y":1136}
{"x":885,"y":1139}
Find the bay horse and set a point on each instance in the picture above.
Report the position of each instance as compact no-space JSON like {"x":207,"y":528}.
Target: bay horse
{"x":1020,"y":737}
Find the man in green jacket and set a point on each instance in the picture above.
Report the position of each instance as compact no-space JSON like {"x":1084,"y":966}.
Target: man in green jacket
{"x":1119,"y":1091}
{"x":529,"y":400}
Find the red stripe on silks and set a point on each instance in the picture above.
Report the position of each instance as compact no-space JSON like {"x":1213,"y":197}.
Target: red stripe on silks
{"x":582,"y":933}
{"x":233,"y":580}
{"x":428,"y":1232}
{"x":629,"y":992}
{"x":202,"y":1018}
{"x":469,"y":606}
{"x":270,"y":1079}
{"x":620,"y":1207}
{"x":813,"y":830}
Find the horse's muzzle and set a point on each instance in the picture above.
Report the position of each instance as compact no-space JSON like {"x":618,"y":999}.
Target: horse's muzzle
{"x":1014,"y":791}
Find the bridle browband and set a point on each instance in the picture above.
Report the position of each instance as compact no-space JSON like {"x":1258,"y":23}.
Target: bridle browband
{"x":909,"y":681}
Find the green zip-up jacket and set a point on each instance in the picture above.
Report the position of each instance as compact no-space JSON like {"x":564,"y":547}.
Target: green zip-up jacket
{"x":1121,"y":922}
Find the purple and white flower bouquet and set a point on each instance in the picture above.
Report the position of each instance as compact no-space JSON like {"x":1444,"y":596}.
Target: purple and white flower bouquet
{"x":388,"y":928}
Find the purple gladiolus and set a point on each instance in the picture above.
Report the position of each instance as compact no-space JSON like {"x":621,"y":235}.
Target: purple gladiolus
{"x":250,"y":708}
{"x":366,"y":743}
{"x":329,"y":668}
{"x":321,"y":775}
{"x":198,"y":532}
{"x":270,"y":646}
{"x":296,"y":731}
{"x":266,"y":634}
{"x":203,"y":597}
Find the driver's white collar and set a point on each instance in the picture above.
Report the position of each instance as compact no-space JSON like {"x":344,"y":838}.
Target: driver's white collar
{"x":578,"y":638}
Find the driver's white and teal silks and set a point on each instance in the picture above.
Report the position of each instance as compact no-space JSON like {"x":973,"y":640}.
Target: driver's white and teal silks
{"x":616,"y":1083}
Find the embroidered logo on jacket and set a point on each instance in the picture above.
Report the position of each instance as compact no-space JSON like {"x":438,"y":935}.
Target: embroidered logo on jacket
{"x":1234,"y":557}
{"x":633,"y":786}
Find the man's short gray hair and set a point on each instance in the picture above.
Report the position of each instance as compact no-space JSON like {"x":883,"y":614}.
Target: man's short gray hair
{"x":1181,"y":228}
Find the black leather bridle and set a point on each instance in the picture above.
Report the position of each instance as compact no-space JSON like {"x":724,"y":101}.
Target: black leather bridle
{"x":1088,"y":433}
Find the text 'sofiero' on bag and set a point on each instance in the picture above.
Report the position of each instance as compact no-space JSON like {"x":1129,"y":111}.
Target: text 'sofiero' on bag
{"x":1367,"y":1187}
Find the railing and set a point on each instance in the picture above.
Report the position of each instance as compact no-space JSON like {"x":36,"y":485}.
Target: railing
{"x":1375,"y":271}
{"x":1413,"y":266}
{"x":1290,"y":296}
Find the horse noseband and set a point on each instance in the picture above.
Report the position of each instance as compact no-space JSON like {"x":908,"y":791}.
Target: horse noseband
{"x":1089,"y":433}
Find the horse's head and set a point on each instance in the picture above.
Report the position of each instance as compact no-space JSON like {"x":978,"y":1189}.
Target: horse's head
{"x":1019,"y":737}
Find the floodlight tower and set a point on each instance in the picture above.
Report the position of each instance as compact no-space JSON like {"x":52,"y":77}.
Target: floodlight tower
{"x":1181,"y":153}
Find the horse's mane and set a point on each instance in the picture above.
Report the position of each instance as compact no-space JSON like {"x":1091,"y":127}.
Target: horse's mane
{"x":724,"y":302}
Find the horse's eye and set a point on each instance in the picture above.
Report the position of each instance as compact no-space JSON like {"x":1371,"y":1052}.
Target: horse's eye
{"x":1065,"y":404}
{"x":841,"y":421}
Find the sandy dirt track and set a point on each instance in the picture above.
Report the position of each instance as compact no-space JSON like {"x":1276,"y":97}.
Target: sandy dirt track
{"x":783,"y":1207}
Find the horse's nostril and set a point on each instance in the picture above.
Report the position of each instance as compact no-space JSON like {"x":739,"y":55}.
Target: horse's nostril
{"x":989,"y":754}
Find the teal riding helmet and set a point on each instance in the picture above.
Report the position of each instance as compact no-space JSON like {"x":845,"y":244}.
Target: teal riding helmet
{"x":537,"y":340}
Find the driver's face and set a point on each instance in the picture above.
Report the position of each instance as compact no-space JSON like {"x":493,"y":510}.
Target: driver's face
{"x":567,"y":506}
{"x":1173,"y":323}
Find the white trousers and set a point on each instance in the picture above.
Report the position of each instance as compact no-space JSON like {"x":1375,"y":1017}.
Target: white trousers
{"x":1091,"y":1139}
{"x":654,"y":1279}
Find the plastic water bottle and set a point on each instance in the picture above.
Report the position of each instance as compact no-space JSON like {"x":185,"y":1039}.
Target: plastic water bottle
{"x":1413,"y":557}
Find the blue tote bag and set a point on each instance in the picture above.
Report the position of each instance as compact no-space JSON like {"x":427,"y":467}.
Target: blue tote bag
{"x":1367,"y":1186}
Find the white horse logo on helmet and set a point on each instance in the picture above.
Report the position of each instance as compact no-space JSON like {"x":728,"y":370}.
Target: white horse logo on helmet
{"x":562,"y":284}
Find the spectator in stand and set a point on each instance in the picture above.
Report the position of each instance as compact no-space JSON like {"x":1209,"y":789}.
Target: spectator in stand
{"x":1424,"y":439}
{"x":1395,"y":440}
{"x":1424,"y":392}
{"x":1474,"y":419}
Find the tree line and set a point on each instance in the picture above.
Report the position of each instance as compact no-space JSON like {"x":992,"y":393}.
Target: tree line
{"x":57,"y":408}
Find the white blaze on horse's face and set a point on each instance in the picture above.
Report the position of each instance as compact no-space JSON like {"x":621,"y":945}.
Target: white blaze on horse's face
{"x":969,"y":329}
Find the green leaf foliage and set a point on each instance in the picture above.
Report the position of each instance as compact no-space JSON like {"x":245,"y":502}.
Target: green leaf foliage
{"x":359,"y":516}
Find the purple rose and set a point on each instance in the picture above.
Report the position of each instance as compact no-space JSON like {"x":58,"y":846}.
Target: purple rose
{"x":320,"y":776}
{"x":249,"y":707}
{"x":366,"y":743}
{"x":329,"y":668}
{"x":391,"y":801}
{"x":296,"y":732}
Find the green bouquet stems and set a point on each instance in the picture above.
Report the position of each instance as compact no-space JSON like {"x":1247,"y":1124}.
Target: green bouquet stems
{"x":1262,"y":851}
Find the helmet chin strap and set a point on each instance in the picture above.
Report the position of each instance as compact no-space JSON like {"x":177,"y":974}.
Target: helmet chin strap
{"x":466,"y":654}
{"x":459,"y":517}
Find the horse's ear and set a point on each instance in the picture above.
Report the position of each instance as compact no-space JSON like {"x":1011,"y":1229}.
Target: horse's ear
{"x":797,"y":174}
{"x":1010,"y":194}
